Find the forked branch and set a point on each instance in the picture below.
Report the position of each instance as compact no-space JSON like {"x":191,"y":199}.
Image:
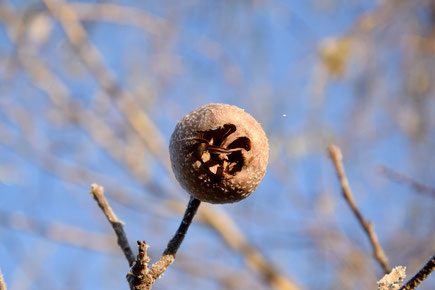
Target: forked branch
{"x":142,"y":277}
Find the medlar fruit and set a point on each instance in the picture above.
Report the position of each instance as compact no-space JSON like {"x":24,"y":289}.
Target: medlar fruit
{"x":219,"y":153}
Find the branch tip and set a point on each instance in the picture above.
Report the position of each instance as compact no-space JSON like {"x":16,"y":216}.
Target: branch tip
{"x":98,"y":194}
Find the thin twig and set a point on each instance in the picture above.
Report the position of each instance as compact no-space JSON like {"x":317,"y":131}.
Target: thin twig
{"x":378,"y":252}
{"x":58,"y":232}
{"x":402,"y":178}
{"x":141,"y":277}
{"x":421,"y":275}
{"x":232,"y":235}
{"x":139,"y":121}
{"x":2,"y":282}
{"x":119,"y":14}
{"x":178,"y":238}
{"x":98,"y":194}
{"x":61,"y":98}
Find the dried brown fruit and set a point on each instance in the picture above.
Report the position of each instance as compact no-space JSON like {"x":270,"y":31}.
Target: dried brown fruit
{"x":219,"y":153}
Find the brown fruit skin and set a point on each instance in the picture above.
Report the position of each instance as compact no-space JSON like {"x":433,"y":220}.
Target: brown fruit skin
{"x":240,"y":168}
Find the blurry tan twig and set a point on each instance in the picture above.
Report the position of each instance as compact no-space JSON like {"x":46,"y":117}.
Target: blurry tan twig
{"x":59,"y":232}
{"x":421,"y":275}
{"x":91,"y":57}
{"x":227,"y":276}
{"x":143,"y":277}
{"x":97,"y":193}
{"x":235,"y":239}
{"x":225,"y":227}
{"x":155,"y":26}
{"x":333,"y":244}
{"x":120,"y":14}
{"x":61,"y":98}
{"x":30,"y":257}
{"x":2,"y":282}
{"x":378,"y":252}
{"x":26,"y":145}
{"x":402,"y":178}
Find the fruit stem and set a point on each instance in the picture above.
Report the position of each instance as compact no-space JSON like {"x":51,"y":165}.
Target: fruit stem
{"x":178,"y":238}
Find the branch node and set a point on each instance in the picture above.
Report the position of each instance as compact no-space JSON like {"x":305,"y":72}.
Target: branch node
{"x":141,"y":277}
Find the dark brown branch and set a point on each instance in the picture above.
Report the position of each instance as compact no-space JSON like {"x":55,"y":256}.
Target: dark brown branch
{"x":98,"y":193}
{"x":141,"y":277}
{"x":378,"y":252}
{"x":178,"y":238}
{"x":421,"y":275}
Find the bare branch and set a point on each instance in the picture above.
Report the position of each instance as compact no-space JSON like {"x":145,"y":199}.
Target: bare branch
{"x":421,"y":275}
{"x":120,"y":14}
{"x":234,"y":238}
{"x":58,"y":232}
{"x":92,"y":58}
{"x":2,"y":282}
{"x":378,"y":252}
{"x":141,"y":277}
{"x":178,"y":238}
{"x":402,"y":178}
{"x":98,"y":193}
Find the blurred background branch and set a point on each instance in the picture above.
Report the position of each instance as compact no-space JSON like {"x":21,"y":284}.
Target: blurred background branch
{"x":402,"y":178}
{"x":378,"y":252}
{"x":2,"y":282}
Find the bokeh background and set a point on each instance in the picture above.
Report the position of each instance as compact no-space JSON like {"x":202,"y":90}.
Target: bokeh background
{"x":90,"y":91}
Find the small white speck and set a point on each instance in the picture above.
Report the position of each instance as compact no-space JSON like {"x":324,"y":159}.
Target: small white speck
{"x":284,"y":115}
